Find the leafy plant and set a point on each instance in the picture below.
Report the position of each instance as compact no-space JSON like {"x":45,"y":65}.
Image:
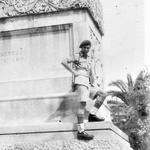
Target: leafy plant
{"x":131,"y":112}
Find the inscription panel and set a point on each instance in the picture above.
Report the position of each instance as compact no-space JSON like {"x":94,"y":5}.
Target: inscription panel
{"x":34,"y":53}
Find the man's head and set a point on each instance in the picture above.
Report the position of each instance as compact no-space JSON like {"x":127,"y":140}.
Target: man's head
{"x":85,"y":43}
{"x":85,"y":47}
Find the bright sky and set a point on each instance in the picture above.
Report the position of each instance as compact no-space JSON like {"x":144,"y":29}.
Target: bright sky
{"x":147,"y":33}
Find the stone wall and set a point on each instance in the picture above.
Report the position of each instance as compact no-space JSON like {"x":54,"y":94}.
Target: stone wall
{"x":62,"y":136}
{"x":31,"y":50}
{"x":20,"y":7}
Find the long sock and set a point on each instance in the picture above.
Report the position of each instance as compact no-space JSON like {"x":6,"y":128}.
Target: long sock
{"x":98,"y":103}
{"x":80,"y":117}
{"x":80,"y":127}
{"x":93,"y":110}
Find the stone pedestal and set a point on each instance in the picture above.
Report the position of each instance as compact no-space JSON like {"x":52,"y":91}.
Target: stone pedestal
{"x":36,"y":102}
{"x":62,"y":137}
{"x":31,"y":50}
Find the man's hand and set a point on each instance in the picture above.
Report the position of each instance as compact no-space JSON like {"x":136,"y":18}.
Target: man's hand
{"x":76,"y":62}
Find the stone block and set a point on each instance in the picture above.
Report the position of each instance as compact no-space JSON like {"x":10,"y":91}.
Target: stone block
{"x":31,"y":50}
{"x":62,"y":136}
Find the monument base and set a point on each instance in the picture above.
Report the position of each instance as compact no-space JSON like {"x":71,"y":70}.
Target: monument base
{"x":62,"y":136}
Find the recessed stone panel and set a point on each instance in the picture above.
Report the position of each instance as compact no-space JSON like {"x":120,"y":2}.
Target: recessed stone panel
{"x":34,"y":53}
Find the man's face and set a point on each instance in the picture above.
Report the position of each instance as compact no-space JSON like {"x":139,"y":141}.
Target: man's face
{"x":86,"y":49}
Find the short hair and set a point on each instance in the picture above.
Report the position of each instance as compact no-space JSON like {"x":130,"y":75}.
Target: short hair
{"x":85,"y":43}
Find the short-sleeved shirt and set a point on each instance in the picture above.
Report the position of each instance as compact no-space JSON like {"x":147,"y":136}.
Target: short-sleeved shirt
{"x":84,"y":69}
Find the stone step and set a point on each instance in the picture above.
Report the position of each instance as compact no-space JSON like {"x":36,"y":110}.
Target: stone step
{"x":62,"y":136}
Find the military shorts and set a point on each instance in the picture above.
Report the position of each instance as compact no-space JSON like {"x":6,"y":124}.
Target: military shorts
{"x":84,"y":92}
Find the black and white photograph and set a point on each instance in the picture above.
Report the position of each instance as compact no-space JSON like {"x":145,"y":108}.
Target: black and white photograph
{"x":74,"y":75}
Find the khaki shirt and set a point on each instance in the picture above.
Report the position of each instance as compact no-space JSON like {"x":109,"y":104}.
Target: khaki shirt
{"x":84,"y":69}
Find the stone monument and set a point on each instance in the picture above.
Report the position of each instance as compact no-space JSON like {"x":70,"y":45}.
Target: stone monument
{"x":37,"y":106}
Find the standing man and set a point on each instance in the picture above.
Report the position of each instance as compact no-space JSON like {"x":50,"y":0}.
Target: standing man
{"x":82,"y":71}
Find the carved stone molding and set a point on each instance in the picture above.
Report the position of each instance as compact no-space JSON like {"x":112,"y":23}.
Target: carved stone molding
{"x":10,"y":8}
{"x":96,"y":59}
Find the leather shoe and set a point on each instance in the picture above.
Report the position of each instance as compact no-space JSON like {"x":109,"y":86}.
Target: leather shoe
{"x":94,"y":118}
{"x":84,"y":136}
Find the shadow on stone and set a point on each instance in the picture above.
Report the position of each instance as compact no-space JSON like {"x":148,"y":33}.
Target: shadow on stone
{"x":66,"y":110}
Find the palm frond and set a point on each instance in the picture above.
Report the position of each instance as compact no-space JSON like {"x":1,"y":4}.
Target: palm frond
{"x":142,"y":81}
{"x":135,"y":107}
{"x":119,"y":94}
{"x":130,"y":82}
{"x":147,"y":79}
{"x":114,"y":102}
{"x":119,"y":84}
{"x":123,"y":85}
{"x":141,"y":76}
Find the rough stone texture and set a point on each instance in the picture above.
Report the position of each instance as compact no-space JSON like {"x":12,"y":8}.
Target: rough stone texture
{"x":62,"y":136}
{"x":23,"y":7}
{"x":64,"y":145}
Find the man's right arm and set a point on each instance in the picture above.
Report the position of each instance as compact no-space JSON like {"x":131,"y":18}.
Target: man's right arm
{"x":66,"y":63}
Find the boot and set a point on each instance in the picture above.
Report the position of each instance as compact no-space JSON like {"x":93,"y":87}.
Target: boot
{"x":84,"y":136}
{"x":94,"y":118}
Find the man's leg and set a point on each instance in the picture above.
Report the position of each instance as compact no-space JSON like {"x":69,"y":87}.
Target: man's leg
{"x":80,"y":116}
{"x":83,"y":95}
{"x":100,"y":97}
